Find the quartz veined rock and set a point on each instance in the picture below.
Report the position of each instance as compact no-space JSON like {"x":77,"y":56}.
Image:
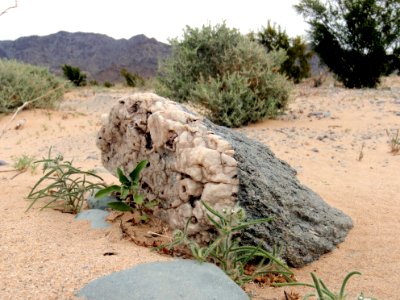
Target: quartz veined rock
{"x":191,"y":158}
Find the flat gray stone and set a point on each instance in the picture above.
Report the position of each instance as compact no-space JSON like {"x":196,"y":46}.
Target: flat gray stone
{"x":101,"y":203}
{"x":97,"y":218}
{"x":175,"y":280}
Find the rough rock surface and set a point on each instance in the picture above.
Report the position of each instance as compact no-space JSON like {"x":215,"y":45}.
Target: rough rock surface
{"x":175,"y":280}
{"x":192,"y":159}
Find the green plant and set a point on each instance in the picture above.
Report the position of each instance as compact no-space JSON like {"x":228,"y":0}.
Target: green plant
{"x":226,"y":252}
{"x":74,"y":75}
{"x":127,"y":195}
{"x":20,"y":83}
{"x":322,"y":291}
{"x":227,"y":73}
{"x":296,"y":66}
{"x":394,"y":141}
{"x":63,"y":183}
{"x":132,"y":80}
{"x":108,"y":84}
{"x":359,"y":40}
{"x":24,"y":162}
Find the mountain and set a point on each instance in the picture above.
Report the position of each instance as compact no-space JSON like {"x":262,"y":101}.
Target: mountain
{"x":99,"y":56}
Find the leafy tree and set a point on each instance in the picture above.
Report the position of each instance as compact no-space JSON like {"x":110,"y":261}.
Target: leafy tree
{"x":359,"y":40}
{"x":74,"y":75}
{"x":296,"y":66}
{"x":229,"y":75}
{"x":132,"y":80}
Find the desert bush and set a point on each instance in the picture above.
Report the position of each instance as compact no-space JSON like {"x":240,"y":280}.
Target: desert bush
{"x":227,"y":73}
{"x":225,"y":250}
{"x":297,"y":64}
{"x":62,"y":185}
{"x":359,"y":40}
{"x":323,"y":292}
{"x":126,"y":194}
{"x":74,"y":75}
{"x":132,"y":80}
{"x":20,"y":82}
{"x":108,"y":84}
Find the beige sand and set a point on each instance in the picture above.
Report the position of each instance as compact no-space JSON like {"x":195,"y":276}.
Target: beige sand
{"x":48,"y":255}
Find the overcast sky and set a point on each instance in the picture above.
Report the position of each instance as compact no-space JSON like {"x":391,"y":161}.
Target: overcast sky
{"x":161,"y":19}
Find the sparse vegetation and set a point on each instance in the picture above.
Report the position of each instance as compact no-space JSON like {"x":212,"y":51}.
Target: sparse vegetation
{"x":225,"y":72}
{"x":74,"y":75}
{"x":132,"y":80}
{"x":127,"y":195}
{"x":296,"y":66}
{"x":359,"y":40}
{"x":108,"y":84}
{"x":323,"y":292}
{"x":63,"y":185}
{"x":24,"y":163}
{"x":225,"y":250}
{"x":21,"y":83}
{"x":394,"y":141}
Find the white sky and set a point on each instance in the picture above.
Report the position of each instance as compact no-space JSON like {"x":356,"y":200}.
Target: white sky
{"x":161,"y":19}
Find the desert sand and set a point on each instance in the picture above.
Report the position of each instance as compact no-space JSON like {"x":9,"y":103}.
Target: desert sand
{"x":335,"y":138}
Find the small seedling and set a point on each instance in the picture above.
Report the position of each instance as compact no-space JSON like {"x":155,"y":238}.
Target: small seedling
{"x":226,"y":252}
{"x":63,"y":183}
{"x":126,"y":193}
{"x":394,"y":141}
{"x":361,"y":153}
{"x":322,"y":291}
{"x":24,"y":163}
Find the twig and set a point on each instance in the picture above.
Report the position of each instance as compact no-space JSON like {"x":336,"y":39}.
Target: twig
{"x":4,"y":171}
{"x":11,"y":7}
{"x":3,"y":131}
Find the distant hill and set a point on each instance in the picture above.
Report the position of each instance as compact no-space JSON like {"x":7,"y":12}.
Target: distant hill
{"x":99,"y":56}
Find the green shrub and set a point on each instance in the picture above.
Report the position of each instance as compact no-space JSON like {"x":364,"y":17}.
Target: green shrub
{"x":132,"y":80}
{"x":74,"y":75}
{"x":358,"y":40}
{"x":126,"y":194}
{"x":230,"y":75}
{"x":21,"y":82}
{"x":296,"y":66}
{"x":108,"y":84}
{"x":62,"y":185}
{"x":225,"y":250}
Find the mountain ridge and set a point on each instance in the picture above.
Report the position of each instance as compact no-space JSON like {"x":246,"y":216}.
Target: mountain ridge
{"x":99,"y":56}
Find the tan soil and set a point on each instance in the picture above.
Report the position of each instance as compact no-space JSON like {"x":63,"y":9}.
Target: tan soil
{"x":48,"y":255}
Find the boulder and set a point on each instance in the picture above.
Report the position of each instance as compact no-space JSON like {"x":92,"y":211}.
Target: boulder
{"x":192,"y":159}
{"x":174,"y":280}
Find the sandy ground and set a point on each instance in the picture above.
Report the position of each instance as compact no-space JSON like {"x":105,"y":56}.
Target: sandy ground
{"x":48,"y":255}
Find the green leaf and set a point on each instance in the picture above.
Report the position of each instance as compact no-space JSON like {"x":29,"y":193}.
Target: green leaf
{"x":107,"y":191}
{"x":138,"y":199}
{"x":120,"y":206}
{"x":124,"y":193}
{"x":346,"y":279}
{"x":122,"y":178}
{"x":134,"y":175}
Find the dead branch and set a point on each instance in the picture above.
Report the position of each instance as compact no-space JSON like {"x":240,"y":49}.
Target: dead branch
{"x":11,"y":7}
{"x":23,"y":106}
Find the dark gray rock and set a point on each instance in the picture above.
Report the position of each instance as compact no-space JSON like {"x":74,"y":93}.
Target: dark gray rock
{"x":3,"y":163}
{"x":96,"y":217}
{"x":305,"y":226}
{"x":176,"y":280}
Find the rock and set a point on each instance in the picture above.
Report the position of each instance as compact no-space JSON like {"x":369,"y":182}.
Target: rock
{"x":101,"y":203}
{"x":3,"y":163}
{"x":192,"y":159}
{"x":97,"y":218}
{"x":175,"y":280}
